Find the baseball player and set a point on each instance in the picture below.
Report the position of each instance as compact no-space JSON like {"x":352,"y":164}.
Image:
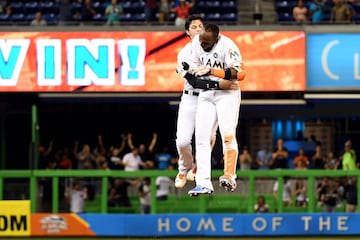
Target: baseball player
{"x":188,"y":104}
{"x":218,"y":56}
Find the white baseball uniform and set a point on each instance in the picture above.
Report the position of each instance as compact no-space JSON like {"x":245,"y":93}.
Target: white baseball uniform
{"x":216,"y":105}
{"x":186,"y":117}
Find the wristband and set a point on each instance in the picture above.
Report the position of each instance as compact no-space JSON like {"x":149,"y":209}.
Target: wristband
{"x":222,"y":73}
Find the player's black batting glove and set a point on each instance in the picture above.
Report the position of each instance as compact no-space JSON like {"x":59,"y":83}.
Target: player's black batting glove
{"x":183,"y":68}
{"x":201,"y":83}
{"x":185,"y":65}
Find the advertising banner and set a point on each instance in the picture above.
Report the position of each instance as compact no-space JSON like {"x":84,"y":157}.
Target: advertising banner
{"x":64,"y":224}
{"x":333,"y":61}
{"x":226,"y":225}
{"x":14,"y":218}
{"x":137,"y":61}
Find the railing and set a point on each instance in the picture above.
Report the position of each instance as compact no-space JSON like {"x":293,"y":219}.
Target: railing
{"x":251,"y":175}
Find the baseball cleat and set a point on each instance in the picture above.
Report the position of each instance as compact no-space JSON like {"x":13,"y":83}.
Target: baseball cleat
{"x":190,"y":176}
{"x":199,"y":190}
{"x":180,"y":180}
{"x":228,"y":183}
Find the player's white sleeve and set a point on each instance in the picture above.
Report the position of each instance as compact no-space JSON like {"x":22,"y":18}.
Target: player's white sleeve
{"x":233,"y":58}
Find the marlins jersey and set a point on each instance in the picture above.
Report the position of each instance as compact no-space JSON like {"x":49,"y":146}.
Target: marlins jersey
{"x":184,"y":56}
{"x":224,"y":54}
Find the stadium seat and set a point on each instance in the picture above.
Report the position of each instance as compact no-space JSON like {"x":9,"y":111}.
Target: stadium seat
{"x":356,"y":6}
{"x":76,"y":6}
{"x":49,"y":7}
{"x":211,"y":17}
{"x":29,"y":17}
{"x":284,"y":7}
{"x":50,"y":18}
{"x":99,"y":18}
{"x":137,"y":7}
{"x":139,"y":17}
{"x":229,"y":17}
{"x":227,"y":6}
{"x":172,"y":16}
{"x":17,"y":18}
{"x":356,"y":18}
{"x":201,"y":6}
{"x":4,"y":19}
{"x":31,"y":7}
{"x":126,"y":17}
{"x":285,"y":18}
{"x":17,"y":7}
{"x":212,"y":6}
{"x":99,"y":7}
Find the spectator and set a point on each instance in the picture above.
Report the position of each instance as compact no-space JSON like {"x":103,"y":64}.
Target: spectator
{"x":64,"y":162}
{"x":151,"y":9}
{"x":182,"y":12}
{"x":132,"y":161}
{"x":66,"y":13}
{"x":331,"y":162}
{"x":163,"y":186}
{"x":118,"y":195}
{"x":113,"y":12}
{"x":318,"y":159}
{"x":45,"y":155}
{"x":329,"y":197}
{"x":287,"y":192}
{"x":77,"y":197}
{"x":87,"y":12}
{"x":301,"y":193}
{"x":340,"y":188}
{"x":99,"y":152}
{"x":85,"y":158}
{"x":300,"y":13}
{"x":263,"y":158}
{"x":115,"y":154}
{"x":317,"y":11}
{"x":340,"y":13}
{"x":145,"y":196}
{"x":115,"y":161}
{"x":245,"y":159}
{"x":164,"y":11}
{"x":146,"y":153}
{"x":321,"y":188}
{"x":261,"y":206}
{"x":279,"y":156}
{"x":352,"y":151}
{"x":301,"y":161}
{"x":164,"y":159}
{"x":351,"y":195}
{"x":348,"y":158}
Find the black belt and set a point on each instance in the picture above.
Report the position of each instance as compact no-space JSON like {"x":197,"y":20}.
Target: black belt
{"x":191,"y":93}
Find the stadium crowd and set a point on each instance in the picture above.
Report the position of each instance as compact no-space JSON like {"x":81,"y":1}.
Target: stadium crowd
{"x":170,"y":12}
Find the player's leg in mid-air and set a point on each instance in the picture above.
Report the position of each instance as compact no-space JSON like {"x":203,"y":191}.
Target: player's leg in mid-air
{"x":184,"y":134}
{"x":191,"y":174}
{"x":205,"y":120}
{"x":228,"y":106}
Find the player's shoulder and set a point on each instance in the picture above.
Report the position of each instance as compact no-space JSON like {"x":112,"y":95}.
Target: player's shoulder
{"x":195,"y":41}
{"x":225,"y":40}
{"x":185,"y":51}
